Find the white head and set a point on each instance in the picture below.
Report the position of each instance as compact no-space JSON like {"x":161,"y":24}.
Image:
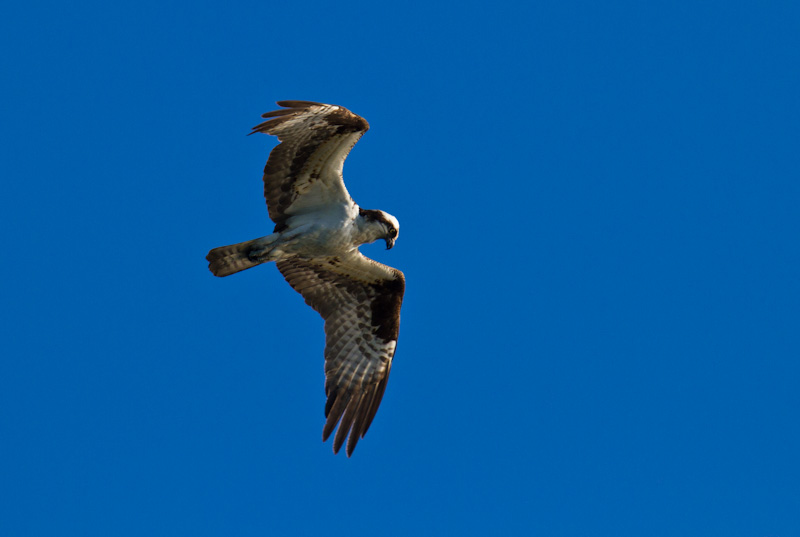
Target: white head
{"x":387,"y":225}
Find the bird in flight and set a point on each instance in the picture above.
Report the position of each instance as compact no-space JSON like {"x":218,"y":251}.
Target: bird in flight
{"x":318,"y":229}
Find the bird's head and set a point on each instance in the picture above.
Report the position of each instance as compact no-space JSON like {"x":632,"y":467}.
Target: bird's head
{"x":386,"y":225}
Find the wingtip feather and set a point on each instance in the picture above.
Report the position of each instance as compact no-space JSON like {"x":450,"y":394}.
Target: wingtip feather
{"x":346,"y":424}
{"x":352,"y":411}
{"x":336,"y":410}
{"x":298,"y":104}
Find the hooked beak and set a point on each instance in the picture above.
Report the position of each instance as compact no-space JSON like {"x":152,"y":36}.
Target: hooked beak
{"x":389,"y":243}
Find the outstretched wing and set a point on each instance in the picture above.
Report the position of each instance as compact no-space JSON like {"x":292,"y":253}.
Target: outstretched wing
{"x":360,"y":301}
{"x":304,"y":171}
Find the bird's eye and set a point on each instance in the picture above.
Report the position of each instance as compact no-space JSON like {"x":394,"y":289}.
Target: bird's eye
{"x":392,"y":233}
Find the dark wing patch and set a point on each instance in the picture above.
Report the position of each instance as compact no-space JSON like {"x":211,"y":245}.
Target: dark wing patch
{"x":315,"y":140}
{"x":360,"y":301}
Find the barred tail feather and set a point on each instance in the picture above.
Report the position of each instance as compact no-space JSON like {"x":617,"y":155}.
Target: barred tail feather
{"x":227,"y":260}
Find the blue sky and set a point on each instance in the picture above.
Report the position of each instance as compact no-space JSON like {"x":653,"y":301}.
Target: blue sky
{"x":599,"y":211}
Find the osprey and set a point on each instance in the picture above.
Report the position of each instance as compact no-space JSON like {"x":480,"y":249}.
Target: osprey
{"x":318,"y":229}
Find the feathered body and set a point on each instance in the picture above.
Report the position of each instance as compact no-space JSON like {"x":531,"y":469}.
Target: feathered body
{"x":318,"y":229}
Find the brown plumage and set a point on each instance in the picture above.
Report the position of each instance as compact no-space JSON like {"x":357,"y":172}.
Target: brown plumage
{"x":318,"y":228}
{"x":327,"y":131}
{"x":361,"y":308}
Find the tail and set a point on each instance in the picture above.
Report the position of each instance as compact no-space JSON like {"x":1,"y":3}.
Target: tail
{"x":227,"y":260}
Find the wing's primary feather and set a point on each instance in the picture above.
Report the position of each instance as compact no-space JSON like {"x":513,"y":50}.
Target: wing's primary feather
{"x":304,"y":171}
{"x":360,"y":301}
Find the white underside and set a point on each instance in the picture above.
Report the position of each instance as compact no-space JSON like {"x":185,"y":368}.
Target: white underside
{"x":325,"y":231}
